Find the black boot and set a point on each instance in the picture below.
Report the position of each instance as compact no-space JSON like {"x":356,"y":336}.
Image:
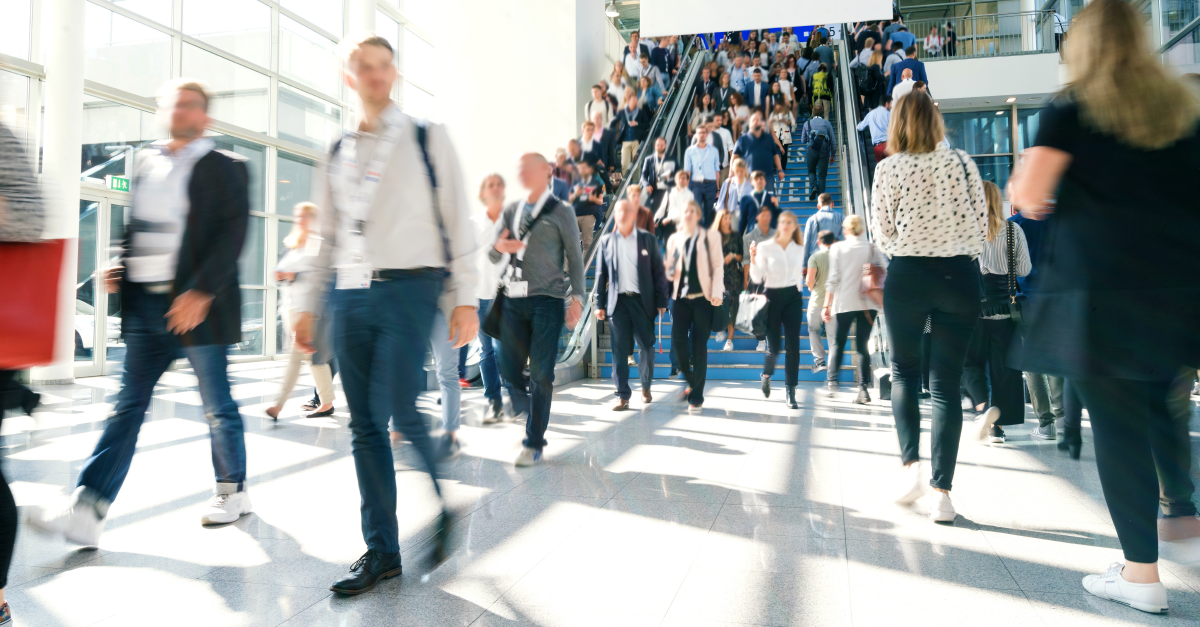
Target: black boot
{"x":863,"y":397}
{"x":368,"y":571}
{"x":766,"y":385}
{"x":1071,"y":442}
{"x":791,"y":397}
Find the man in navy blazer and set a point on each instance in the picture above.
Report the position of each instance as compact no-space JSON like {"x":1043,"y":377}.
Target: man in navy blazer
{"x":758,"y":91}
{"x":559,"y":188}
{"x":629,"y":299}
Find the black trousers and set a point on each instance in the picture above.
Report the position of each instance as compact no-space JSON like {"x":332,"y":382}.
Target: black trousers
{"x":1137,"y":445}
{"x":8,"y":505}
{"x":987,"y":358}
{"x":946,"y":289}
{"x":863,"y":320}
{"x":785,"y":308}
{"x":694,"y":316}
{"x":818,"y":165}
{"x":629,"y":322}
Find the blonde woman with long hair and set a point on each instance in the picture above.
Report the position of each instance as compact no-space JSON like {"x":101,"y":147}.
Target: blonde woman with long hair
{"x":987,"y":354}
{"x":846,"y":304}
{"x":930,"y":217}
{"x":293,"y":263}
{"x":1118,"y":320}
{"x":778,"y":264}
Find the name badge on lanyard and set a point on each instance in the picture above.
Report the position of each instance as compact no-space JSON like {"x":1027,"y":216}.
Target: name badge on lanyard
{"x":353,"y":196}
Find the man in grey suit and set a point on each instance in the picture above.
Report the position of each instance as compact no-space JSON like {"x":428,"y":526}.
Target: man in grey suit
{"x":631,"y":283}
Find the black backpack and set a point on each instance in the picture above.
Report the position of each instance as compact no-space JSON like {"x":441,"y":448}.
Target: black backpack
{"x":860,"y":74}
{"x":869,"y":82}
{"x":816,"y":142}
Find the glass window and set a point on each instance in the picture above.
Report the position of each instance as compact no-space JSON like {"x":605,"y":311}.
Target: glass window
{"x":256,"y":156}
{"x":252,"y":269}
{"x":1185,"y":53}
{"x":1027,"y":127}
{"x":421,"y":12}
{"x":14,"y":28}
{"x":14,"y":103}
{"x":253,"y":305}
{"x":295,"y":182}
{"x":980,"y":132}
{"x":115,"y":354}
{"x":324,"y":13}
{"x":239,"y":93}
{"x":111,"y":134}
{"x":157,"y":10}
{"x":249,"y":36}
{"x":418,"y":61}
{"x":85,"y":292}
{"x":995,"y":169}
{"x":123,"y":53}
{"x":306,"y":57}
{"x":306,"y":120}
{"x":387,"y":28}
{"x":417,"y":102}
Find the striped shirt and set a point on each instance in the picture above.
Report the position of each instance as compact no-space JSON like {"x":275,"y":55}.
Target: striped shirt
{"x":994,"y":258}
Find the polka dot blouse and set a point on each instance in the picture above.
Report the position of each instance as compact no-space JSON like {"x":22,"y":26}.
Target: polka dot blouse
{"x":929,"y":205}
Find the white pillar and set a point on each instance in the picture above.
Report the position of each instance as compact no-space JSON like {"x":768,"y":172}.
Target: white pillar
{"x":362,"y":17}
{"x":60,"y":167}
{"x":1029,"y":31}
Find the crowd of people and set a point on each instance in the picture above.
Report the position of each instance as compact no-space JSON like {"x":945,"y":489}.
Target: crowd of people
{"x":972,"y":301}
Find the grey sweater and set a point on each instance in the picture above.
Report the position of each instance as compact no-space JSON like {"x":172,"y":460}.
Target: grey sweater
{"x":555,"y":239}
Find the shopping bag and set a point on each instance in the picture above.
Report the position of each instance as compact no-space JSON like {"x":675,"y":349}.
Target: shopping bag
{"x":29,"y":274}
{"x":752,"y":314}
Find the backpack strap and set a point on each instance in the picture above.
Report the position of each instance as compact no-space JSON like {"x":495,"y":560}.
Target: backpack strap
{"x":423,"y":142}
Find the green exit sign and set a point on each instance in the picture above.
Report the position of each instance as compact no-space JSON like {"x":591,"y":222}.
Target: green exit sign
{"x":117,"y":183}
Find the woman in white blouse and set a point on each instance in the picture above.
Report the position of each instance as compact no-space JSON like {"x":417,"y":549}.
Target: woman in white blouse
{"x":669,"y":216}
{"x":846,"y":302}
{"x":696,"y":270}
{"x":929,"y":215}
{"x":987,"y":354}
{"x":778,"y":263}
{"x":295,"y":261}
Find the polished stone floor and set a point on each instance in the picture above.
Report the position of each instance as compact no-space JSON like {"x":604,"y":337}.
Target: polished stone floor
{"x":746,"y":514}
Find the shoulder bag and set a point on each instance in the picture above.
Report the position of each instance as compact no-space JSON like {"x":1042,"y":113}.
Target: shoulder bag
{"x":492,"y":321}
{"x":1014,"y":304}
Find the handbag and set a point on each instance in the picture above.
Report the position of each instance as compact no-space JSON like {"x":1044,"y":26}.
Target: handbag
{"x":28,"y":317}
{"x":495,"y":314}
{"x":1014,"y":304}
{"x":873,"y":277}
{"x":752,"y":311}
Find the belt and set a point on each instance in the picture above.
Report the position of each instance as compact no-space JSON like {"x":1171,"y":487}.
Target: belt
{"x":409,"y":273}
{"x":156,"y":287}
{"x":630,"y":294}
{"x":694,"y":296}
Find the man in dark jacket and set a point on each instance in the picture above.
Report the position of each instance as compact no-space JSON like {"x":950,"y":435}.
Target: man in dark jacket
{"x":179,"y":282}
{"x":631,"y":284}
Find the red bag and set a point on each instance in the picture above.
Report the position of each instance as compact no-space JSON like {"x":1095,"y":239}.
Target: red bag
{"x":29,"y":274}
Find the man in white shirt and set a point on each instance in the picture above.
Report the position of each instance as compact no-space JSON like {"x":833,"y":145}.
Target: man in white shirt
{"x":669,"y":216}
{"x":598,"y":104}
{"x":631,"y":290}
{"x":393,"y":260}
{"x":904,"y":87}
{"x":633,"y":53}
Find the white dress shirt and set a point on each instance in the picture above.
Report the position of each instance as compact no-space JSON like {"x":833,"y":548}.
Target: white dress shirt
{"x":160,"y":206}
{"x":489,"y":273}
{"x":903,"y":88}
{"x":627,"y":261}
{"x":676,"y":203}
{"x":778,"y":266}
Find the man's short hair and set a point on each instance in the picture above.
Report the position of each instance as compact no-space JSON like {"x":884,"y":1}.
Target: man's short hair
{"x":684,"y":173}
{"x":826,"y":237}
{"x":758,"y":174}
{"x":598,"y":86}
{"x":818,"y":109}
{"x":632,"y":187}
{"x":589,"y":123}
{"x":903,"y":28}
{"x":588,"y":163}
{"x":185,"y":84}
{"x":351,"y":46}
{"x":887,"y":98}
{"x":897,"y":46}
{"x":635,"y":33}
{"x":911,"y":50}
{"x":757,"y":70}
{"x":825,"y":200}
{"x":645,"y":56}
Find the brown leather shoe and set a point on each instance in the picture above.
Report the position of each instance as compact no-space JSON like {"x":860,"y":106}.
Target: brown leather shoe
{"x":622,"y":405}
{"x":646,"y":396}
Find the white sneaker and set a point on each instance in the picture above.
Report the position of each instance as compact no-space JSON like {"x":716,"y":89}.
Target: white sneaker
{"x":78,"y":523}
{"x":1147,"y":597}
{"x":819,"y":368}
{"x":528,"y":457}
{"x":720,"y":336}
{"x":910,"y":484}
{"x":983,"y":424}
{"x":728,"y":345}
{"x":940,"y":507}
{"x":225,"y":508}
{"x":762,"y":346}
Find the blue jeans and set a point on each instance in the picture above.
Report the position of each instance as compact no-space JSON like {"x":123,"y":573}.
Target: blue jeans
{"x":380,"y":338}
{"x":149,"y":350}
{"x":490,"y":348}
{"x":445,"y":364}
{"x":530,"y":332}
{"x":706,"y":195}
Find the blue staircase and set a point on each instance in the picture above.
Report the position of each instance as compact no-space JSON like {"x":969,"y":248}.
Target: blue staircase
{"x":744,"y":362}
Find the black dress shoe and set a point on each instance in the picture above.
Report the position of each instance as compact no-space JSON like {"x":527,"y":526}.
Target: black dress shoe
{"x":791,"y":397}
{"x":321,"y":414}
{"x":766,"y":385}
{"x":311,"y":405}
{"x":1071,"y":442}
{"x":368,"y":571}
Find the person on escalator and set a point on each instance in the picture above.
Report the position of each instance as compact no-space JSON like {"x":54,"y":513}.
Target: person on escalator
{"x":817,"y":137}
